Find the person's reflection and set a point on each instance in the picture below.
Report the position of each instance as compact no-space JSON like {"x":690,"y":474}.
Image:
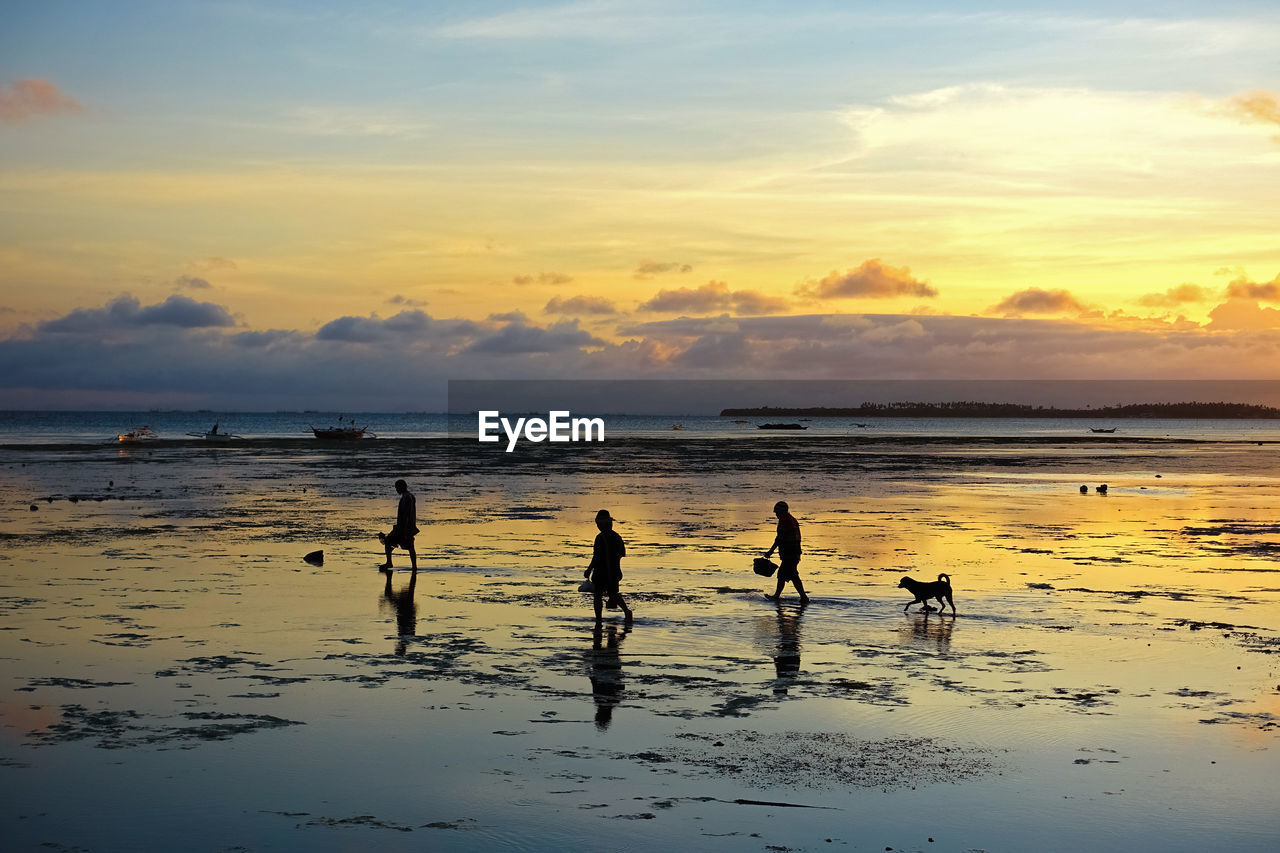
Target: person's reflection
{"x":606,"y":670}
{"x":786,"y":653}
{"x":405,"y":608}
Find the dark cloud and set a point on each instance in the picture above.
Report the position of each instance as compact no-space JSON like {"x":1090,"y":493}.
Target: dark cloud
{"x":371,"y":329}
{"x":1175,"y":296}
{"x":509,"y":317}
{"x":26,"y":99}
{"x":127,"y":313}
{"x":543,"y":278}
{"x":259,"y":340}
{"x":872,"y":279}
{"x":649,"y":269}
{"x":580,"y":305}
{"x":192,"y":282}
{"x":714,"y":296}
{"x":404,"y":300}
{"x":517,"y":338}
{"x":1267,"y":291}
{"x":1035,"y":300}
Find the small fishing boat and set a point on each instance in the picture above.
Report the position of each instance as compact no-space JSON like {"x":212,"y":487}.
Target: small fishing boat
{"x":781,"y":426}
{"x":1100,"y":429}
{"x":137,"y":436}
{"x":677,"y":426}
{"x":213,"y":434}
{"x":343,"y":432}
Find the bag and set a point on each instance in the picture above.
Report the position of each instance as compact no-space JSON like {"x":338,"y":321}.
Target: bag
{"x":586,"y":586}
{"x":764,"y":568}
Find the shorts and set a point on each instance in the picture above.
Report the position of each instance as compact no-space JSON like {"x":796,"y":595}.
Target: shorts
{"x":789,"y":567}
{"x":396,"y":539}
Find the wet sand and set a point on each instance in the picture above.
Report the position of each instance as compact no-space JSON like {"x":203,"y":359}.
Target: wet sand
{"x":174,"y":675}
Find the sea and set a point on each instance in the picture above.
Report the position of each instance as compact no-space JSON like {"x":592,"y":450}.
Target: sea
{"x":18,"y":428}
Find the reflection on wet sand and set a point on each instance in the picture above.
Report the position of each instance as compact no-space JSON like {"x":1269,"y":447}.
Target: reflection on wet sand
{"x":605,"y":667}
{"x":405,"y":608}
{"x":786,"y":655}
{"x":930,"y":627}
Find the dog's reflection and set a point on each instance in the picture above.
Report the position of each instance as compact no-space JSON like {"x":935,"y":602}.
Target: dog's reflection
{"x":405,"y":608}
{"x":928,"y":626}
{"x":605,"y":670}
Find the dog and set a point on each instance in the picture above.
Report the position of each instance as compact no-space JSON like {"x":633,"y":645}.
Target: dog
{"x":925,"y":590}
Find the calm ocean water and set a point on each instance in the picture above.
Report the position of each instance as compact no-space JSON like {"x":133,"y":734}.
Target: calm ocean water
{"x":23,"y":427}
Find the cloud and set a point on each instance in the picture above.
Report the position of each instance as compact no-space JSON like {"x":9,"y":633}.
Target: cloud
{"x":649,"y":269}
{"x":1243,"y":315}
{"x":213,"y":264}
{"x":543,"y":278}
{"x":714,"y":296}
{"x":580,"y":305}
{"x":519,"y":338}
{"x":1246,"y":289}
{"x":192,"y":282}
{"x":126,"y":312}
{"x":872,"y":278}
{"x":1256,"y":107}
{"x":1035,"y":300}
{"x":25,"y":99}
{"x":509,"y":317}
{"x":404,"y":300}
{"x":1175,"y":296}
{"x":372,"y":329}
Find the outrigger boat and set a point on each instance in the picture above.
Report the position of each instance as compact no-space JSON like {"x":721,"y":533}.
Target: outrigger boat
{"x":213,"y":435}
{"x":1100,"y":429}
{"x":782,"y":426}
{"x":136,"y":436}
{"x":343,"y":432}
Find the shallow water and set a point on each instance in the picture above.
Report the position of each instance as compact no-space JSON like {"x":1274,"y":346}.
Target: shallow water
{"x":176,"y":675}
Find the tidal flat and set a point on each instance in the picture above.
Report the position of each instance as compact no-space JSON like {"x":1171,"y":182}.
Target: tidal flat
{"x":174,"y":675}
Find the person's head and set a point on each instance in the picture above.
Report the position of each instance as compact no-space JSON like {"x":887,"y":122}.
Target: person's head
{"x":603,"y":520}
{"x":781,"y":508}
{"x":402,"y":486}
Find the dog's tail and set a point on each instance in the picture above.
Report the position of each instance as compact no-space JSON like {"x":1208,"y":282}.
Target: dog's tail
{"x":945,"y":578}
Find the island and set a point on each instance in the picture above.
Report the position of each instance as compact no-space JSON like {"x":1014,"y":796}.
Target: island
{"x":970,"y":409}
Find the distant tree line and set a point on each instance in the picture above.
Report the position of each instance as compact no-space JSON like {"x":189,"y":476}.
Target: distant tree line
{"x":972,"y":409}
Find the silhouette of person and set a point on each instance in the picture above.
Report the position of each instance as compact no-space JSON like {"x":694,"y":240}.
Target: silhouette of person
{"x":605,"y":570}
{"x":406,"y":610}
{"x":786,"y":657}
{"x":405,"y":529}
{"x":606,"y":671}
{"x":787,"y":544}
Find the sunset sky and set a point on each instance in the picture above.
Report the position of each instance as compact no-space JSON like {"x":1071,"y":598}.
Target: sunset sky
{"x":341,"y":205}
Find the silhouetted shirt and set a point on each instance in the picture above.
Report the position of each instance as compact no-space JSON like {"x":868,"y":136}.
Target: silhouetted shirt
{"x":407,"y":515}
{"x":606,"y":556}
{"x":788,"y":540}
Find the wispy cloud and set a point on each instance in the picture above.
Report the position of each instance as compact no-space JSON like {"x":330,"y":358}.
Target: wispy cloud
{"x":555,"y":278}
{"x":649,"y":269}
{"x":1175,"y":296}
{"x":26,"y":99}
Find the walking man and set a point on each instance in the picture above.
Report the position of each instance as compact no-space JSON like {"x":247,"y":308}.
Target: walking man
{"x":787,"y":544}
{"x":605,"y":570}
{"x":406,"y":527}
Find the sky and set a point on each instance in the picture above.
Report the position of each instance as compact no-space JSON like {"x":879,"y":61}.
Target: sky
{"x":249,"y":205}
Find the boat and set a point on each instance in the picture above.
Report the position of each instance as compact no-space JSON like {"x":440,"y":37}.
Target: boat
{"x":1100,"y":429}
{"x":136,"y":436}
{"x":213,"y":434}
{"x":781,"y":426}
{"x":677,"y":426}
{"x":343,"y":432}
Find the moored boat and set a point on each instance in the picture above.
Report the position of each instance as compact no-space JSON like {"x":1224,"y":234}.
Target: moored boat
{"x":136,"y":436}
{"x":781,"y":426}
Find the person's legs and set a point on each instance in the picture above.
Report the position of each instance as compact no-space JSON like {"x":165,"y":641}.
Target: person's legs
{"x":804,"y":599}
{"x":599,"y":603}
{"x":413,"y":556}
{"x":387,"y":564}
